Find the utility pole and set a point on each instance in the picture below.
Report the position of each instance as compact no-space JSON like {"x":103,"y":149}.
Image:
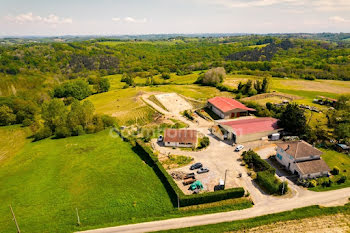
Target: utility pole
{"x":225,"y":178}
{"x":76,"y":210}
{"x":14,"y":219}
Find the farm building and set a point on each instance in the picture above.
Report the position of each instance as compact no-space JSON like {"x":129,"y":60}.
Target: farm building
{"x":180,"y":138}
{"x":227,"y":108}
{"x":302,"y":159}
{"x":245,"y":130}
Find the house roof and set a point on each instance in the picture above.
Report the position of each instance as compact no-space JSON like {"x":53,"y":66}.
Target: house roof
{"x":299,"y":149}
{"x":225,"y":104}
{"x":180,"y":135}
{"x":250,"y":126}
{"x":312,"y":166}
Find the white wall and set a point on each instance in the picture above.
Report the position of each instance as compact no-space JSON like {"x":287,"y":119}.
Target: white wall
{"x":176,"y":144}
{"x":285,"y":159}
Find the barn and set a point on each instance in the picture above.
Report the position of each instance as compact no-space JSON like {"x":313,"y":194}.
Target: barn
{"x":245,"y":130}
{"x":227,"y":108}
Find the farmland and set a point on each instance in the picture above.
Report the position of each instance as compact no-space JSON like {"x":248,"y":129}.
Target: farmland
{"x":47,"y":180}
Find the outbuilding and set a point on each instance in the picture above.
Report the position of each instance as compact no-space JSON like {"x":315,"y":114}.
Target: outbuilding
{"x":180,"y":138}
{"x":227,"y":108}
{"x":245,"y":130}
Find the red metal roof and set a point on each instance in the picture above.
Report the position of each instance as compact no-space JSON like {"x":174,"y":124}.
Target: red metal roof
{"x":250,"y":126}
{"x":225,"y":104}
{"x":180,"y":135}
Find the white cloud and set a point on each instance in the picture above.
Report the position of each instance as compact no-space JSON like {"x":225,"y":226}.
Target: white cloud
{"x":130,"y":20}
{"x":331,"y":5}
{"x":31,"y":18}
{"x":338,"y":19}
{"x":255,"y":3}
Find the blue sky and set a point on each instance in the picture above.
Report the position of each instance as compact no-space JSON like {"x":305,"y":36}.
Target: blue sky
{"x":107,"y":17}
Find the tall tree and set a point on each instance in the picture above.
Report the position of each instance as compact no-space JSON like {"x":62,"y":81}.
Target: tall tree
{"x":293,"y":120}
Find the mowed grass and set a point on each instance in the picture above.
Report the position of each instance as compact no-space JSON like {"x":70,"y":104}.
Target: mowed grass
{"x":98,"y":174}
{"x":336,"y":159}
{"x":12,"y":140}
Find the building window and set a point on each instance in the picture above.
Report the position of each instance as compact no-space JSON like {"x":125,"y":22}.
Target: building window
{"x":279,"y":156}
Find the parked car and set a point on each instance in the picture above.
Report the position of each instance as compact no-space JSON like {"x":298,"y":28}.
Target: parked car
{"x":202,"y":170}
{"x":196,"y":166}
{"x":189,"y":175}
{"x":160,"y":138}
{"x":239,"y":148}
{"x":188,"y":181}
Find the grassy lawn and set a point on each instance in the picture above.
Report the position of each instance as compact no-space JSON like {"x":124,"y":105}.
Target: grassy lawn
{"x":244,"y":225}
{"x":12,"y":140}
{"x":100,"y":175}
{"x":340,"y":160}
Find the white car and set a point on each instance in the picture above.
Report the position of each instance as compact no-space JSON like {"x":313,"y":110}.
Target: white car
{"x":239,"y":148}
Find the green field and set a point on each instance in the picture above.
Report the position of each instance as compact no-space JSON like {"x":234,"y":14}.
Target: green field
{"x":100,"y":175}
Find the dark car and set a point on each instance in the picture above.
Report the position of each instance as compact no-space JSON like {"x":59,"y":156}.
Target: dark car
{"x":202,"y":170}
{"x":196,"y":166}
{"x":189,"y":175}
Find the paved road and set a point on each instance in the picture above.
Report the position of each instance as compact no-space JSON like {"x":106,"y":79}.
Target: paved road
{"x":322,"y":198}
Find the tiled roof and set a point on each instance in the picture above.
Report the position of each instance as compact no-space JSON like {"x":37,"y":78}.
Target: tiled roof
{"x":225,"y":104}
{"x":250,"y":126}
{"x":299,"y":149}
{"x":180,"y":135}
{"x":312,"y":166}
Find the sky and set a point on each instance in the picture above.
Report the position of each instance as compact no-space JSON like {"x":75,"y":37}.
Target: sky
{"x":134,"y":17}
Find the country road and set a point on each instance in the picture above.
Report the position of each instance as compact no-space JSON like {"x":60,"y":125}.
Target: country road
{"x":335,"y":197}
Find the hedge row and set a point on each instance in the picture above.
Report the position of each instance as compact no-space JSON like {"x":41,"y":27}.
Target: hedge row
{"x":254,"y":161}
{"x":173,"y":190}
{"x":270,"y":183}
{"x":265,"y":173}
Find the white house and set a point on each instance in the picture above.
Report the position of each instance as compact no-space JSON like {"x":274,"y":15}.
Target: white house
{"x":302,"y":159}
{"x":180,"y":138}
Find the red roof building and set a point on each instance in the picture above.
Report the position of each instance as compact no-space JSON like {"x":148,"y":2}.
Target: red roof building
{"x":248,"y":129}
{"x":227,"y":107}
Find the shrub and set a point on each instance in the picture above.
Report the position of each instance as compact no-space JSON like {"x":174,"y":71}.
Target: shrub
{"x":78,"y":130}
{"x":341,"y":180}
{"x":188,"y":115}
{"x":335,"y":171}
{"x":313,"y":183}
{"x":108,"y":121}
{"x":203,"y":142}
{"x":44,"y":132}
{"x":27,"y":122}
{"x":62,"y":132}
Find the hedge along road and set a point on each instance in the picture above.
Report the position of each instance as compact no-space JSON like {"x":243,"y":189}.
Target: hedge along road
{"x":335,"y":197}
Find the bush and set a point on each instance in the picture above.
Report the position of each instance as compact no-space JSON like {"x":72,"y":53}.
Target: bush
{"x":313,"y":183}
{"x":44,"y":132}
{"x":335,"y":171}
{"x":78,"y":130}
{"x":27,"y":122}
{"x":108,"y":121}
{"x":203,"y":142}
{"x":188,"y":115}
{"x":341,"y":180}
{"x":62,"y":132}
